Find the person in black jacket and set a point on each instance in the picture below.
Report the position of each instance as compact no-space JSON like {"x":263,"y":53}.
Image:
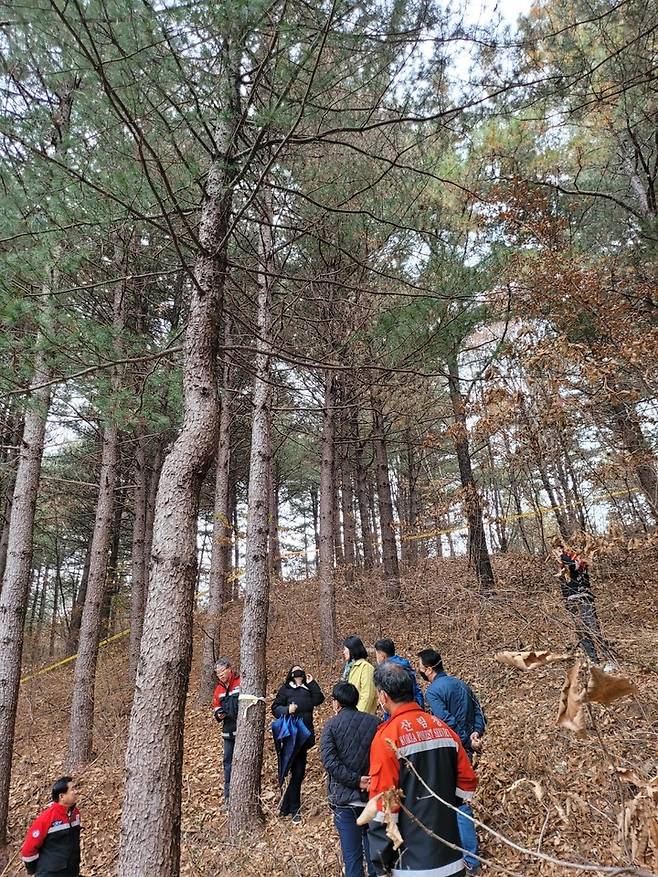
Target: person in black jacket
{"x":298,"y":696}
{"x":345,"y":752}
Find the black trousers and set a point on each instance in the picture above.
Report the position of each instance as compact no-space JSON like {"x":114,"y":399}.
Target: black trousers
{"x":588,"y":628}
{"x":291,"y":802}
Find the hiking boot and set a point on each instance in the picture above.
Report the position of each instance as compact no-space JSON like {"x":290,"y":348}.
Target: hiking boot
{"x":297,"y":819}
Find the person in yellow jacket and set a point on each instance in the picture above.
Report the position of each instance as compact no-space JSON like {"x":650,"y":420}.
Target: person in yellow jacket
{"x":359,"y":672}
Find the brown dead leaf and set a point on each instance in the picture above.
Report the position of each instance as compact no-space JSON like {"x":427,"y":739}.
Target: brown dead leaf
{"x":369,"y":811}
{"x":604,"y":688}
{"x":570,"y":713}
{"x":529,"y":660}
{"x":391,"y":799}
{"x":638,"y":822}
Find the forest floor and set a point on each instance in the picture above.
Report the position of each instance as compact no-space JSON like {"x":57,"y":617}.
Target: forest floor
{"x":540,"y":787}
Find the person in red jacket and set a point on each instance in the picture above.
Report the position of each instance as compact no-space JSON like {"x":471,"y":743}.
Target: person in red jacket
{"x":225,"y":710}
{"x":420,"y":755}
{"x":52,"y":843}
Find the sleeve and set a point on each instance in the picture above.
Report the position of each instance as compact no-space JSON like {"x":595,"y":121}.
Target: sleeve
{"x":365,"y":686}
{"x":479,"y":718}
{"x":384,"y":775}
{"x":331,"y":759}
{"x":438,"y":708}
{"x":316,"y":693}
{"x":466,"y":778}
{"x":34,"y":840}
{"x":217,"y":705}
{"x":280,"y":705}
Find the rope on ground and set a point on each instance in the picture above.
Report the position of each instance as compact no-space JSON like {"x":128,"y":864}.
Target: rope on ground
{"x":64,"y":661}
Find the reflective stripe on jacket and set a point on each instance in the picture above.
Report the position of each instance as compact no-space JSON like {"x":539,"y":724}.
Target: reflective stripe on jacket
{"x":420,"y":755}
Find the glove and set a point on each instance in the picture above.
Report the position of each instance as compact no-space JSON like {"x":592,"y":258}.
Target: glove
{"x":31,"y":867}
{"x":219,"y":716}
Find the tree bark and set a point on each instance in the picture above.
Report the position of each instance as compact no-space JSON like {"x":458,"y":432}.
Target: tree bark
{"x":150,"y":837}
{"x":112,"y":582}
{"x":347,"y":496}
{"x":220,"y":553}
{"x":386,"y":521}
{"x":11,"y":462}
{"x":274,"y":545}
{"x":245,"y":810}
{"x":479,"y":553}
{"x":80,"y":597}
{"x":362,"y":495}
{"x":20,"y":536}
{"x":327,"y":607}
{"x":84,"y":680}
{"x":139,"y":561}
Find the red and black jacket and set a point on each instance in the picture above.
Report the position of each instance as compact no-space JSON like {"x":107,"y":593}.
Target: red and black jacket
{"x":416,"y":752}
{"x":225,"y":705}
{"x":52,"y":843}
{"x":575,"y":578}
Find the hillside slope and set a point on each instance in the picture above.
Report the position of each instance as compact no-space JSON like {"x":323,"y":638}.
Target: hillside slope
{"x":540,"y":787}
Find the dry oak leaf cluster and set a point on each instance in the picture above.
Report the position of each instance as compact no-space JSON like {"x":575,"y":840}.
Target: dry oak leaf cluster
{"x":638,"y":820}
{"x":529,"y":660}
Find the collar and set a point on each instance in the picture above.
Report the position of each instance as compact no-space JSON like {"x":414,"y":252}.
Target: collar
{"x":292,"y":684}
{"x":410,"y":707}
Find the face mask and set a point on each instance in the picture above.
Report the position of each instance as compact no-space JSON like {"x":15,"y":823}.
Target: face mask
{"x":423,"y":675}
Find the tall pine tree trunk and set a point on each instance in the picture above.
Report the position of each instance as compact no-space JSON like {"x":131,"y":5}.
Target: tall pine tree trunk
{"x":245,"y":811}
{"x":138,"y":552}
{"x":362,"y":495}
{"x":78,"y":605}
{"x":10,"y":463}
{"x":220,"y":553}
{"x":479,"y":553}
{"x":274,"y":545}
{"x":150,"y":837}
{"x":18,"y":568}
{"x":327,"y":525}
{"x":84,"y":680}
{"x":386,"y":521}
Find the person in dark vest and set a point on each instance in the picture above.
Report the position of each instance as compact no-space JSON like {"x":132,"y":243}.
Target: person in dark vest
{"x":225,"y":710}
{"x":52,"y":844}
{"x":345,"y":751}
{"x":298,"y":696}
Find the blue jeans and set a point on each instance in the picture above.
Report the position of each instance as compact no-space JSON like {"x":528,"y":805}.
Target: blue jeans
{"x":353,"y":841}
{"x":468,"y":837}
{"x":229,"y":746}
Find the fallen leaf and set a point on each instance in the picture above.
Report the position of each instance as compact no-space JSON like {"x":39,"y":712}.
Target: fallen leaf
{"x":570,"y":713}
{"x":604,"y":688}
{"x":529,"y":660}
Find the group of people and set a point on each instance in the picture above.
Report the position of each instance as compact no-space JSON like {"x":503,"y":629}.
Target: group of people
{"x":381,"y":738}
{"x":406,"y":751}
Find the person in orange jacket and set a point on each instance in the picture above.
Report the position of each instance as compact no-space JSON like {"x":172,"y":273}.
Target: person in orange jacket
{"x":421,"y":756}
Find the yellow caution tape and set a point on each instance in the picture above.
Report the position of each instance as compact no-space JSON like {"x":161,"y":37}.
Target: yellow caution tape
{"x":71,"y":658}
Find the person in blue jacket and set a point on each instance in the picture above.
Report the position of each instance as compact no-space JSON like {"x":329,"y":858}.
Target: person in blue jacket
{"x":385,"y":651}
{"x":453,"y":701}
